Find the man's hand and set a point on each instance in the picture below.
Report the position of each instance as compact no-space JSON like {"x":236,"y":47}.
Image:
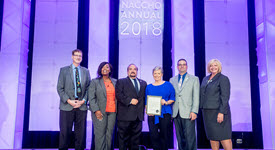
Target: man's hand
{"x":170,"y":102}
{"x":220,"y":118}
{"x":78,"y":103}
{"x":193,"y":116}
{"x":134,"y":101}
{"x":99,"y":115}
{"x":71,"y":102}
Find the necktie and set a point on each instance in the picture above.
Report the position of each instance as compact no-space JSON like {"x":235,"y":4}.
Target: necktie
{"x":180,"y":82}
{"x":136,"y":85}
{"x":78,"y":85}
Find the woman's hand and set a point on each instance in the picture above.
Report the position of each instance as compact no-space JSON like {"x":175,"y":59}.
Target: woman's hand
{"x":99,"y":115}
{"x":163,"y":102}
{"x":220,"y":118}
{"x":148,"y":114}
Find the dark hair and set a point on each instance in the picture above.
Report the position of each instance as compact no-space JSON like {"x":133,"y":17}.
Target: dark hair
{"x":99,"y":74}
{"x":77,"y":50}
{"x":181,"y":60}
{"x":131,"y":65}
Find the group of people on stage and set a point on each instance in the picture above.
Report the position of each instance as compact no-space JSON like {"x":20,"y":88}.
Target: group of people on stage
{"x":123,"y":102}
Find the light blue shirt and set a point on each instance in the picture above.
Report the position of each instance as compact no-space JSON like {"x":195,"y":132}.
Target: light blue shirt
{"x":75,"y":90}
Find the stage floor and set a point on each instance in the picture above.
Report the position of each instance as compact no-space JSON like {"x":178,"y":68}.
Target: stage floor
{"x":147,"y":149}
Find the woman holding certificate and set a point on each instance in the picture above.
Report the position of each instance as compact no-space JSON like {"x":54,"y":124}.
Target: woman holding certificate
{"x":160,"y":124}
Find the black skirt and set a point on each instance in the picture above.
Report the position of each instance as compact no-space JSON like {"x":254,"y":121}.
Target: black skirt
{"x":217,"y":131}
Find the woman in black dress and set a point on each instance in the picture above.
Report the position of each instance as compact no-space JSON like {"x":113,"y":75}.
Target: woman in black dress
{"x":214,"y":97}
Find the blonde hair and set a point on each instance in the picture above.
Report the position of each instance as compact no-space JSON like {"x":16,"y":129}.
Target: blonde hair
{"x":214,"y":61}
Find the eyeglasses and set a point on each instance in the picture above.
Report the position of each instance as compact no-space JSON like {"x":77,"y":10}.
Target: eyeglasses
{"x":182,"y":64}
{"x":78,"y":55}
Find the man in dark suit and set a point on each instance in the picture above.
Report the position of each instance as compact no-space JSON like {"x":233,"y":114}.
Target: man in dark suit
{"x":130,"y":94}
{"x":72,"y":86}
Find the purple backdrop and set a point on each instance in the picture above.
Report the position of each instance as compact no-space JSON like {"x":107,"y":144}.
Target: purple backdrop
{"x":226,"y":38}
{"x":56,"y":33}
{"x":13,"y":56}
{"x":55,"y":36}
{"x":265,"y":24}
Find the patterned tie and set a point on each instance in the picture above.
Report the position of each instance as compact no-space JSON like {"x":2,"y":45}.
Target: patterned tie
{"x":78,"y":84}
{"x":136,"y":85}
{"x":180,"y":82}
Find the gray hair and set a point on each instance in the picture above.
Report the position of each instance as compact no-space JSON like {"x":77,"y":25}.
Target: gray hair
{"x":158,"y":68}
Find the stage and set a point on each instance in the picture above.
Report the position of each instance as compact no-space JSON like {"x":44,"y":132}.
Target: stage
{"x":38,"y":36}
{"x":147,"y":149}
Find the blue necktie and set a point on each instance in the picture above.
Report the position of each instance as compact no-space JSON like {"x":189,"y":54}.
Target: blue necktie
{"x":136,"y":85}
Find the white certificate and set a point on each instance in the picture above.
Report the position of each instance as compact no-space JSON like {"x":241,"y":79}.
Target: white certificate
{"x":153,"y":106}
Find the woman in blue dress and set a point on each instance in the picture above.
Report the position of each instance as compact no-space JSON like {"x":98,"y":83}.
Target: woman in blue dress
{"x":159,"y":126}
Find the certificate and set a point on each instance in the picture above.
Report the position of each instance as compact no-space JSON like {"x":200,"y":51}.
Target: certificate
{"x":153,"y":106}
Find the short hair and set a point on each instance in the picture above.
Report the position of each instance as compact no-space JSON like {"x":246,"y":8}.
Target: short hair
{"x":99,"y":74}
{"x":181,"y":60}
{"x":77,"y":50}
{"x":131,"y":65}
{"x":214,"y":61}
{"x":157,"y":68}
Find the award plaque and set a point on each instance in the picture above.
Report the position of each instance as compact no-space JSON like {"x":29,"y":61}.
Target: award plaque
{"x":153,"y":106}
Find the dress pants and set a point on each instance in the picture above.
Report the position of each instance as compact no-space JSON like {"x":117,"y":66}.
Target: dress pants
{"x":129,"y":134}
{"x":66,"y":121}
{"x":159,"y":133}
{"x":103,"y":130}
{"x":186,"y":134}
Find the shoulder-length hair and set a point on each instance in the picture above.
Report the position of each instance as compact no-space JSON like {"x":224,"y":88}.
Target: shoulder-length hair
{"x":214,"y":61}
{"x":99,"y":74}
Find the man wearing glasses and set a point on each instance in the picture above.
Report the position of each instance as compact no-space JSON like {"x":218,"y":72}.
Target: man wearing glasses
{"x":72,"y":86}
{"x":186,"y":106}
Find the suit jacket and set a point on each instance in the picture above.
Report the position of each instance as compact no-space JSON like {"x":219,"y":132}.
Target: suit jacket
{"x":97,"y":95}
{"x":187,"y":98}
{"x":66,"y":88}
{"x":125,"y":92}
{"x":215,"y":94}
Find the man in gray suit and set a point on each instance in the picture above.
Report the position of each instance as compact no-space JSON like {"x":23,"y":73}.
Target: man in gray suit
{"x":186,"y":107}
{"x":72,"y":86}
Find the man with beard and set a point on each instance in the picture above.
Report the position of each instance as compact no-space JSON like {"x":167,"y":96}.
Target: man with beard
{"x":130,"y":93}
